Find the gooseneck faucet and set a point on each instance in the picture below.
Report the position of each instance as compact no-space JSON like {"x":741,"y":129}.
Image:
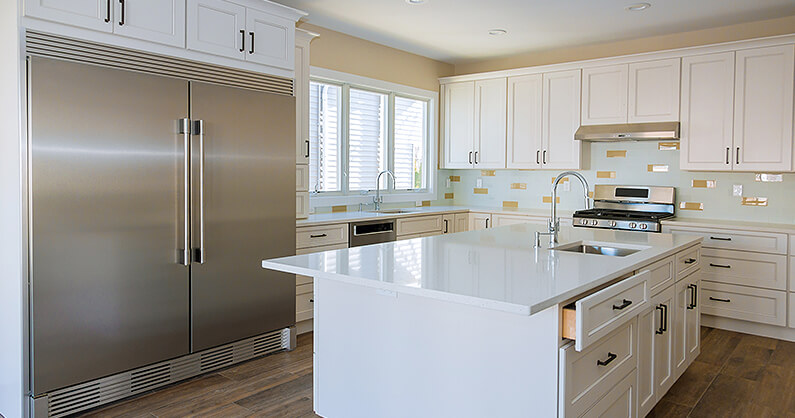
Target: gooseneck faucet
{"x":554,"y":221}
{"x":377,"y":200}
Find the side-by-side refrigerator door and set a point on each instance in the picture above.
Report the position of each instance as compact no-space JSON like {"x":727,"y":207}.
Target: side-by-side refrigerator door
{"x":243,"y":166}
{"x":107,"y":221}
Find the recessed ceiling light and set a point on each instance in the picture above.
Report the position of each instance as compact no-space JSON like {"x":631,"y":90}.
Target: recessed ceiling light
{"x":497,"y":32}
{"x":415,"y":1}
{"x":637,"y":7}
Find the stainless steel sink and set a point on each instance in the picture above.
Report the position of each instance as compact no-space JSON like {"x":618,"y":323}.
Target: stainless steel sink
{"x":597,"y":249}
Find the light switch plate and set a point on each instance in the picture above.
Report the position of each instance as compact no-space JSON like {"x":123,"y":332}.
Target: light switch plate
{"x":479,"y":183}
{"x":737,"y":190}
{"x":447,"y":183}
{"x":566,"y":186}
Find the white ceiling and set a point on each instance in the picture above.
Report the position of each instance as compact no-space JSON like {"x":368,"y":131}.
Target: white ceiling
{"x":456,"y":30}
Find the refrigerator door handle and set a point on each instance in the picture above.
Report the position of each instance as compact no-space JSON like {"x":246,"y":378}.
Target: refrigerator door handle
{"x":198,"y":129}
{"x":183,"y":254}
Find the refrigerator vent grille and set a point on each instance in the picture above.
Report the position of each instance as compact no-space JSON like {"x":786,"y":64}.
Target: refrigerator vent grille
{"x":98,"y":392}
{"x":60,"y":47}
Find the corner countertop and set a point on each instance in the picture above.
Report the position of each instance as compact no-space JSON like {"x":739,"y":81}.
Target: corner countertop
{"x":346,"y":217}
{"x":495,"y":268}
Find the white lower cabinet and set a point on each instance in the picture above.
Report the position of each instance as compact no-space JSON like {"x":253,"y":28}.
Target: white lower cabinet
{"x":504,"y":220}
{"x":301,"y":205}
{"x":420,"y":225}
{"x":656,"y":371}
{"x":479,"y":221}
{"x":619,"y":402}
{"x":745,"y":303}
{"x":687,"y":322}
{"x":448,"y":224}
{"x":792,"y":310}
{"x":461,"y":222}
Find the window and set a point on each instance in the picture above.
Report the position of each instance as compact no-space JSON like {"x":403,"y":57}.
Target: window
{"x":360,"y":127}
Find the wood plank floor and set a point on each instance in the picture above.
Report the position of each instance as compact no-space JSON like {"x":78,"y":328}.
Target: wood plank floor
{"x":736,"y":375}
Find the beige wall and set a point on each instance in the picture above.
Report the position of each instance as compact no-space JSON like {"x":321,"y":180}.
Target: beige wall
{"x":341,"y":52}
{"x":780,"y":26}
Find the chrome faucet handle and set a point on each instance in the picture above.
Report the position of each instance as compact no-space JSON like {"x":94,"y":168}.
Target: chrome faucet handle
{"x":538,"y":235}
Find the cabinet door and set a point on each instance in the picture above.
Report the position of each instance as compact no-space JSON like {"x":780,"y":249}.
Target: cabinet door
{"x":561,"y":118}
{"x":664,"y":368}
{"x":604,"y":95}
{"x":89,"y":14}
{"x":270,"y":39}
{"x":459,"y":124}
{"x":707,"y":114}
{"x":448,"y":224}
{"x":524,"y":121}
{"x":648,"y":323}
{"x":687,"y":321}
{"x":217,"y":27}
{"x":654,"y":91}
{"x":161,"y":21}
{"x":693,"y":320}
{"x":479,"y":221}
{"x":461,"y":222}
{"x":490,"y":104}
{"x":763,"y":108}
{"x":301,"y":91}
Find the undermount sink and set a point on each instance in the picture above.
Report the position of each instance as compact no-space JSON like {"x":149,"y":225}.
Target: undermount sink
{"x":394,"y":211}
{"x":597,"y":249}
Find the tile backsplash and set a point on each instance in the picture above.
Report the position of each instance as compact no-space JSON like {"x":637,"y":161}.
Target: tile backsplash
{"x":633,"y":163}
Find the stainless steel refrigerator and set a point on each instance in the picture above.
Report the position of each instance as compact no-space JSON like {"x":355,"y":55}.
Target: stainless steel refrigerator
{"x":153,"y":201}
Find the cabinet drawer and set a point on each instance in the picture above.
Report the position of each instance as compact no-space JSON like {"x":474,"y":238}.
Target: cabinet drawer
{"x":419,"y":225}
{"x":302,"y":280}
{"x":687,"y":261}
{"x":792,"y":274}
{"x":745,"y":268}
{"x":301,"y":205}
{"x":301,"y":251}
{"x":763,"y":242}
{"x":316,"y":236}
{"x":586,"y":376}
{"x":598,"y":314}
{"x":662,"y":274}
{"x":301,"y":178}
{"x":792,"y":310}
{"x":304,"y":289}
{"x":304,"y":308}
{"x":423,"y":235}
{"x":619,"y":402}
{"x":746,"y":303}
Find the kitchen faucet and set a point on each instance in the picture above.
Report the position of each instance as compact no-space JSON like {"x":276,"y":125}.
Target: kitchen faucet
{"x":554,"y":221}
{"x":377,"y":200}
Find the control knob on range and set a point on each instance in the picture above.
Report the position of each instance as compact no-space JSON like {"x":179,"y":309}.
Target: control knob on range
{"x":583,"y":222}
{"x":594,"y":222}
{"x":611,"y":224}
{"x":633,"y":225}
{"x":643,"y":226}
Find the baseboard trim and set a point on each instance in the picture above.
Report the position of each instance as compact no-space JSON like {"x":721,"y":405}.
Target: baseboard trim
{"x":736,"y":325}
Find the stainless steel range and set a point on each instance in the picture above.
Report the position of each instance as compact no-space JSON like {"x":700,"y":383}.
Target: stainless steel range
{"x":635,"y":208}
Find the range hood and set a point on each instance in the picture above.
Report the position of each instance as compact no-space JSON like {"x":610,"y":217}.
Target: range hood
{"x":628,"y":132}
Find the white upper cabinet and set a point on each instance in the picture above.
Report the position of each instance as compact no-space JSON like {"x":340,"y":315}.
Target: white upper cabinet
{"x":654,"y":91}
{"x":604,"y":95}
{"x":459,"y":124}
{"x":490,"y":104}
{"x":737,"y":110}
{"x":270,"y":39}
{"x":707,"y":112}
{"x":90,"y":14}
{"x":524,"y":121}
{"x":301,"y":91}
{"x":161,"y":21}
{"x":217,"y":27}
{"x":763,"y":115}
{"x":560,"y":120}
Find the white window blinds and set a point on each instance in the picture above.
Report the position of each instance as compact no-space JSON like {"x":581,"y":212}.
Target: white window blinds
{"x":367,"y":137}
{"x":410,"y":132}
{"x":324,"y":137}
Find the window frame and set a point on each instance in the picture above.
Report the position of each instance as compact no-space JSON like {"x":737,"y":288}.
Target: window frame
{"x":390,"y":194}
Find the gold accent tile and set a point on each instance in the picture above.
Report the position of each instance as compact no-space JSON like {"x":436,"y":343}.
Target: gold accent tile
{"x":657,"y":168}
{"x":769,"y":178}
{"x":488,"y":173}
{"x":426,"y":203}
{"x":590,"y":194}
{"x":341,"y":208}
{"x":668,"y":146}
{"x":617,"y":153}
{"x":691,"y":206}
{"x":605,"y":174}
{"x":481,"y":190}
{"x":455,"y":178}
{"x":755,"y":201}
{"x":448,"y":196}
{"x":519,"y":186}
{"x":510,"y":204}
{"x":548,"y":199}
{"x":564,"y":179}
{"x":704,"y":184}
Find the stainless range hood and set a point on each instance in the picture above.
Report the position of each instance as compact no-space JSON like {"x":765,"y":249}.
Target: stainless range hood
{"x":628,"y":132}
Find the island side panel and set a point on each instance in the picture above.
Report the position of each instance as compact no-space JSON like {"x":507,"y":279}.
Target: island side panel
{"x":386,"y":354}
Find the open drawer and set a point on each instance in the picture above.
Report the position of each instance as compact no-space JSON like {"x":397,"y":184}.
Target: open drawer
{"x":596,"y":315}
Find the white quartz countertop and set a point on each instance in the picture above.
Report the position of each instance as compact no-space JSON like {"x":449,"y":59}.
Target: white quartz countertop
{"x":728,"y":224}
{"x":496,"y":268}
{"x":346,"y":217}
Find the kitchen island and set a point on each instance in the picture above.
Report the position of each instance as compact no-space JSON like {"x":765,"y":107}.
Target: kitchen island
{"x":483,"y":324}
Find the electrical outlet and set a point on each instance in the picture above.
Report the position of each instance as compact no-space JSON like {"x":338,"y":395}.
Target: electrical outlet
{"x":737,"y":190}
{"x":566,"y":186}
{"x":479,"y":183}
{"x":418,"y":203}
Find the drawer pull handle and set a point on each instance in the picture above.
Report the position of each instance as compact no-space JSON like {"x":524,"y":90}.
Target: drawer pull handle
{"x":663,"y":308}
{"x":720,"y":238}
{"x":719,"y":299}
{"x":311,"y":301}
{"x":610,"y":358}
{"x":318,"y":235}
{"x":723,"y":266}
{"x":690,"y":261}
{"x":623,"y":305}
{"x":693,"y":296}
